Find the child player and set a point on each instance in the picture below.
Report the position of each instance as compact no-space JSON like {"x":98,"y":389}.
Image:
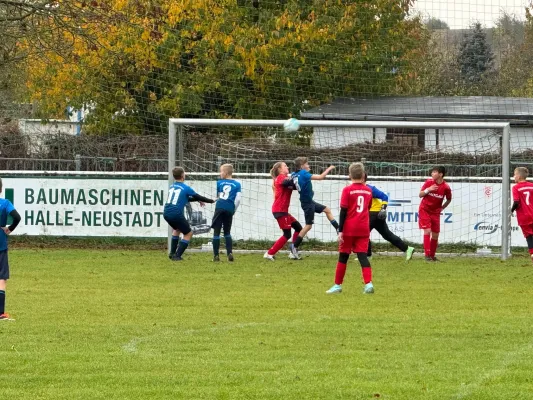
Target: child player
{"x":354,"y":228}
{"x":6,"y":209}
{"x":523,"y":205}
{"x":378,"y":221}
{"x":280,"y":210}
{"x":229,"y":198}
{"x":179,"y":195}
{"x":433,"y":193}
{"x":301,"y":179}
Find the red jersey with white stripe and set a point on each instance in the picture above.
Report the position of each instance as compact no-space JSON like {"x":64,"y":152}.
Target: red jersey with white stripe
{"x":432,"y":202}
{"x":357,"y":198}
{"x":523,"y":193}
{"x":282,"y":195}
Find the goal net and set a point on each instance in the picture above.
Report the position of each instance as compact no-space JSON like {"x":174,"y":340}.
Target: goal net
{"x":398,"y":157}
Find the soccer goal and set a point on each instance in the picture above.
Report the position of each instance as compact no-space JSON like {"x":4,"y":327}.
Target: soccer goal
{"x":398,"y":157}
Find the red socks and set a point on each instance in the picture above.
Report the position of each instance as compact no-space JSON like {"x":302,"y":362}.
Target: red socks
{"x":433,"y":247}
{"x":427,"y":250}
{"x":367,"y":274}
{"x":294,"y":236}
{"x":278,"y":245}
{"x":339,"y":273}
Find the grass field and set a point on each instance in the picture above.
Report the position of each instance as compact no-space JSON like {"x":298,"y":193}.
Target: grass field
{"x":122,"y":324}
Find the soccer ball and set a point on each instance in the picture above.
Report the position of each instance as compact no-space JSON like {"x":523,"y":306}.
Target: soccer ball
{"x":291,"y":125}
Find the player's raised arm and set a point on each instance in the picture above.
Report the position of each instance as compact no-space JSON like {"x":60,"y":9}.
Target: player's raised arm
{"x":322,"y":176}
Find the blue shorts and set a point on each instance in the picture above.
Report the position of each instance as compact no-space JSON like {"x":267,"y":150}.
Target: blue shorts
{"x":178,"y":223}
{"x":4,"y":265}
{"x":310,"y":209}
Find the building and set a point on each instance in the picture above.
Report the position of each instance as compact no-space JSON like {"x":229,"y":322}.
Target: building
{"x":517,"y":111}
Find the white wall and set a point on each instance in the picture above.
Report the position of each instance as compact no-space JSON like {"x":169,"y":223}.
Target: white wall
{"x":340,"y":137}
{"x":471,"y":141}
{"x":36,"y":127}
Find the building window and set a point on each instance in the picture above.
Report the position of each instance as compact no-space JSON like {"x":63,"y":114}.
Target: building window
{"x":407,"y":137}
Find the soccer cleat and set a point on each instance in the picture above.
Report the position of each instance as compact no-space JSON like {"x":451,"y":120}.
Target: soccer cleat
{"x":230,"y":257}
{"x":269,"y":257}
{"x":335,"y":289}
{"x":170,"y":256}
{"x":369,"y":288}
{"x":293,"y":255}
{"x":216,"y":258}
{"x":435,"y":259}
{"x":5,"y":317}
{"x":409,"y":253}
{"x":428,"y":259}
{"x":175,"y":257}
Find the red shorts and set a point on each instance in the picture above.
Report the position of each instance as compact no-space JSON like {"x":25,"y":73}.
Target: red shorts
{"x":354,"y":244}
{"x":527,"y":230}
{"x":429,"y":221}
{"x":285,"y":221}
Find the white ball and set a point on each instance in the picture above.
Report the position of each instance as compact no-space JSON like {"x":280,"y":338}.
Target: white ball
{"x":291,"y":125}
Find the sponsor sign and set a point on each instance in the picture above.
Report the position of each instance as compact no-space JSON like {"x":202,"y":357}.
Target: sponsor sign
{"x":134,"y":207}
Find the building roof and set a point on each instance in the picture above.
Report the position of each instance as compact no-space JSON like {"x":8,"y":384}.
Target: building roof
{"x":513,"y":109}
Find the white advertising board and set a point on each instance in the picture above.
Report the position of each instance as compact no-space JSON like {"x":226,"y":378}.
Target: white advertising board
{"x":134,"y":207}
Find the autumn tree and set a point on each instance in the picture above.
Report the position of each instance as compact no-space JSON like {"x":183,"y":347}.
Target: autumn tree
{"x":225,"y":58}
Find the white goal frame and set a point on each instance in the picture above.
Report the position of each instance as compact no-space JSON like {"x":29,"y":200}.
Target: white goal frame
{"x":175,"y":136}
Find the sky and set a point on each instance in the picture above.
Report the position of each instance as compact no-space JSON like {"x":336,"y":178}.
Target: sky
{"x":460,"y":14}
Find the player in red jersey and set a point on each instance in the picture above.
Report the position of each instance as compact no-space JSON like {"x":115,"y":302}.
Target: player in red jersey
{"x":433,"y":193}
{"x":354,"y":228}
{"x":523,"y":204}
{"x":280,"y":209}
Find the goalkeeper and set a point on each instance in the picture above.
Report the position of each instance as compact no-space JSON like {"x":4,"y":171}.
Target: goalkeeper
{"x":378,"y":221}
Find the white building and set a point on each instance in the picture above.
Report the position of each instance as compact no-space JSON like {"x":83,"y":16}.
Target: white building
{"x":517,"y":111}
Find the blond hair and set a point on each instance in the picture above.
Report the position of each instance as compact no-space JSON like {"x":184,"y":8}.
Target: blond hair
{"x":522,"y":172}
{"x":357,"y":170}
{"x":227,"y":168}
{"x":274,"y":172}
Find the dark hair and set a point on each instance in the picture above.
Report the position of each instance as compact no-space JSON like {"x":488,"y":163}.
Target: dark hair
{"x":178,"y":173}
{"x":299,"y":162}
{"x":440,"y":169}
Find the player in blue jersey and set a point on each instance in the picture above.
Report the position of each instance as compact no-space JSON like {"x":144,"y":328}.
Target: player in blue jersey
{"x":229,"y":198}
{"x":6,"y":209}
{"x":302,"y":179}
{"x":378,"y":221}
{"x":179,"y":195}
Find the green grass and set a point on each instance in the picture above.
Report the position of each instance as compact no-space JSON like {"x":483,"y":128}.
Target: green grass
{"x":121,"y":324}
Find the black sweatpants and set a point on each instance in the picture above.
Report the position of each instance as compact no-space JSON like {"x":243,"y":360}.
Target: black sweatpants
{"x":381,"y":226}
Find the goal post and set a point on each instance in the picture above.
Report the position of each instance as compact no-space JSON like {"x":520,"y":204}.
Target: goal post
{"x":201,"y":145}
